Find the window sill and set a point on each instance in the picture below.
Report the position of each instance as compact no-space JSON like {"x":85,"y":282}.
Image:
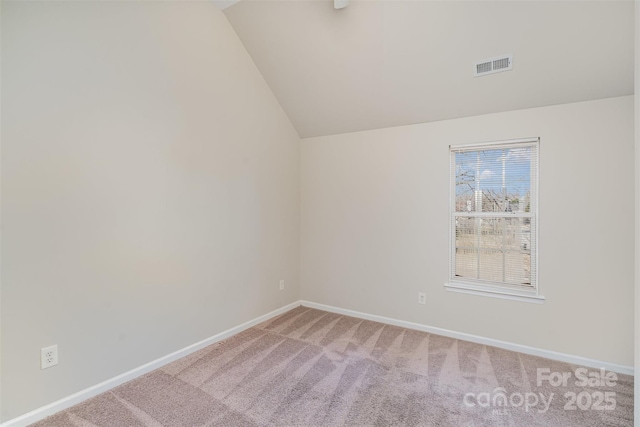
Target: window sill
{"x":467,"y":288}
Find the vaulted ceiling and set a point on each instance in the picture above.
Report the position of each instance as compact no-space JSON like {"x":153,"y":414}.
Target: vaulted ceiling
{"x":388,"y":63}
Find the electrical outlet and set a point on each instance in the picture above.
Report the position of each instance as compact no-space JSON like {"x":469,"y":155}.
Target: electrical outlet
{"x":48,"y":357}
{"x":282,"y":285}
{"x":422,"y":298}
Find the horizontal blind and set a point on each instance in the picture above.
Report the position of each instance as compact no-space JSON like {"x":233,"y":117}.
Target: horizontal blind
{"x":493,"y":213}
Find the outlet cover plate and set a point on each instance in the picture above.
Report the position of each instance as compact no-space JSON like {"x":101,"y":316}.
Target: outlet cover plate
{"x":48,"y":356}
{"x":422,"y":298}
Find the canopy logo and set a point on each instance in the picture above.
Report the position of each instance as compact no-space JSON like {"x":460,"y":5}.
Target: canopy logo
{"x":499,"y":401}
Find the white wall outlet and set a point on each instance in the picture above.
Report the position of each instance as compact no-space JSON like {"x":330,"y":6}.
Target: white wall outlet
{"x":48,"y":357}
{"x":282,"y":285}
{"x":422,"y":298}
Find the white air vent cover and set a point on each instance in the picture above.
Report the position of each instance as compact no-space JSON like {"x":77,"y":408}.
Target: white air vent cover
{"x":493,"y":65}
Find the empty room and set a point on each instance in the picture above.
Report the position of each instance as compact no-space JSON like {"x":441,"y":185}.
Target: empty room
{"x":319,"y":213}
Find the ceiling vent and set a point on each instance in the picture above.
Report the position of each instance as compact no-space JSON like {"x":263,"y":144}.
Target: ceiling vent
{"x":493,"y":65}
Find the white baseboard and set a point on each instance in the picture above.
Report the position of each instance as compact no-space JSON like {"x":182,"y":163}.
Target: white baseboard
{"x":577,"y":360}
{"x":69,"y":401}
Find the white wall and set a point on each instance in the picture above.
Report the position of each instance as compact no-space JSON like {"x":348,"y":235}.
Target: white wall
{"x":374,"y":227}
{"x":150,"y":189}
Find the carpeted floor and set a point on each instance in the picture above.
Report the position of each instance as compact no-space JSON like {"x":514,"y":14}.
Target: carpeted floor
{"x":312,"y":368}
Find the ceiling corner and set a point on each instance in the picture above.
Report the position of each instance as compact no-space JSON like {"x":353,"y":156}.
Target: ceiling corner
{"x":223,"y":4}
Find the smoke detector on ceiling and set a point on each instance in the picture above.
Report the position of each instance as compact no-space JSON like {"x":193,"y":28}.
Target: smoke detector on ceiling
{"x":493,"y":65}
{"x":340,"y":4}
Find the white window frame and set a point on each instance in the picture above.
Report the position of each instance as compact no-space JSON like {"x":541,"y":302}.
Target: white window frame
{"x":485,"y":288}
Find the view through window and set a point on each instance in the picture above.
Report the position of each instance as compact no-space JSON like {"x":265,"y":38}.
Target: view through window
{"x":493,"y":214}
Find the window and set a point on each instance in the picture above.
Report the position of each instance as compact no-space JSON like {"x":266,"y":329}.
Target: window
{"x":493,"y":213}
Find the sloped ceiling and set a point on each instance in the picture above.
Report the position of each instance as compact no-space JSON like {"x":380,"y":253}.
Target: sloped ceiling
{"x":388,"y":63}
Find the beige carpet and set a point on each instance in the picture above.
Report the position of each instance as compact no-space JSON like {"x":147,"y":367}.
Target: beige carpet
{"x":312,"y":368}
